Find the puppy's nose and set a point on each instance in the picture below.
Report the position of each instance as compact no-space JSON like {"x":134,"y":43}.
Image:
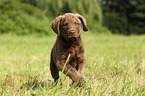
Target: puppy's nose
{"x":72,"y":32}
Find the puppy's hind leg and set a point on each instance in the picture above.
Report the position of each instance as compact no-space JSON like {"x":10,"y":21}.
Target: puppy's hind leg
{"x":54,"y":70}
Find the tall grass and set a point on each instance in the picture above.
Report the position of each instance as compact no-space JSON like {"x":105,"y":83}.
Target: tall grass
{"x":115,"y":66}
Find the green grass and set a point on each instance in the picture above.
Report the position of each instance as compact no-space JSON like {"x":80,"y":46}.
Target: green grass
{"x":115,"y":66}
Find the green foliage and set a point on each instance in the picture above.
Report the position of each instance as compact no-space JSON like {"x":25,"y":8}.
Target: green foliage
{"x":116,"y":22}
{"x":19,"y":18}
{"x":31,"y":16}
{"x":125,"y":17}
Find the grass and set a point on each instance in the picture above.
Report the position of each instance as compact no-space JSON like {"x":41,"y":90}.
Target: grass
{"x":115,"y":66}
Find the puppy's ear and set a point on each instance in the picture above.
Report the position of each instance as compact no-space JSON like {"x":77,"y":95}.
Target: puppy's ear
{"x":83,"y":20}
{"x":55,"y":24}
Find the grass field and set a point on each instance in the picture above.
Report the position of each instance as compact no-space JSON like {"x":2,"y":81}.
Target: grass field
{"x":115,"y":66}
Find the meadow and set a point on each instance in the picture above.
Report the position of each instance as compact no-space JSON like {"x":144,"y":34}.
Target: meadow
{"x":115,"y":66}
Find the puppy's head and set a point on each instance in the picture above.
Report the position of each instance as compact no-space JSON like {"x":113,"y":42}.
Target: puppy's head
{"x":68,"y":26}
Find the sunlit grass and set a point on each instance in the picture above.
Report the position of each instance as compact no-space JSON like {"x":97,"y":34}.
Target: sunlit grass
{"x":115,"y":66}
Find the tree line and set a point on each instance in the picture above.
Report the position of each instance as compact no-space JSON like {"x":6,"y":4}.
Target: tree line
{"x":124,"y":16}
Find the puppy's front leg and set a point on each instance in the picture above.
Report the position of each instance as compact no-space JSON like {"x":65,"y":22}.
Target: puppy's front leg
{"x":81,"y":64}
{"x":81,"y":67}
{"x":71,"y":72}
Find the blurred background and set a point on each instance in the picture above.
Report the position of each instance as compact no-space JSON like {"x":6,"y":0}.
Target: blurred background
{"x":103,"y":16}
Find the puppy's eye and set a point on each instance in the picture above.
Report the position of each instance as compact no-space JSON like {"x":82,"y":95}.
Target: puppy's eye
{"x":64,"y":25}
{"x":76,"y":23}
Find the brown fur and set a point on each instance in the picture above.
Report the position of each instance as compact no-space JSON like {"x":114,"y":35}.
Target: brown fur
{"x":68,"y":27}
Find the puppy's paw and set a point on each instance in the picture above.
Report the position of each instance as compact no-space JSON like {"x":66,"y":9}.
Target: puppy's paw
{"x":82,"y":82}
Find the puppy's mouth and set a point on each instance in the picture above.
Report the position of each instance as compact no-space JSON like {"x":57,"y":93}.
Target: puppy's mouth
{"x":72,"y":38}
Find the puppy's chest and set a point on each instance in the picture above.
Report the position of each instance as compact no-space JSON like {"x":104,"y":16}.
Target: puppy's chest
{"x":74,"y":56}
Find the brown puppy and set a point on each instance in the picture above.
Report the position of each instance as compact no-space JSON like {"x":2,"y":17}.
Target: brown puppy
{"x":68,"y":27}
